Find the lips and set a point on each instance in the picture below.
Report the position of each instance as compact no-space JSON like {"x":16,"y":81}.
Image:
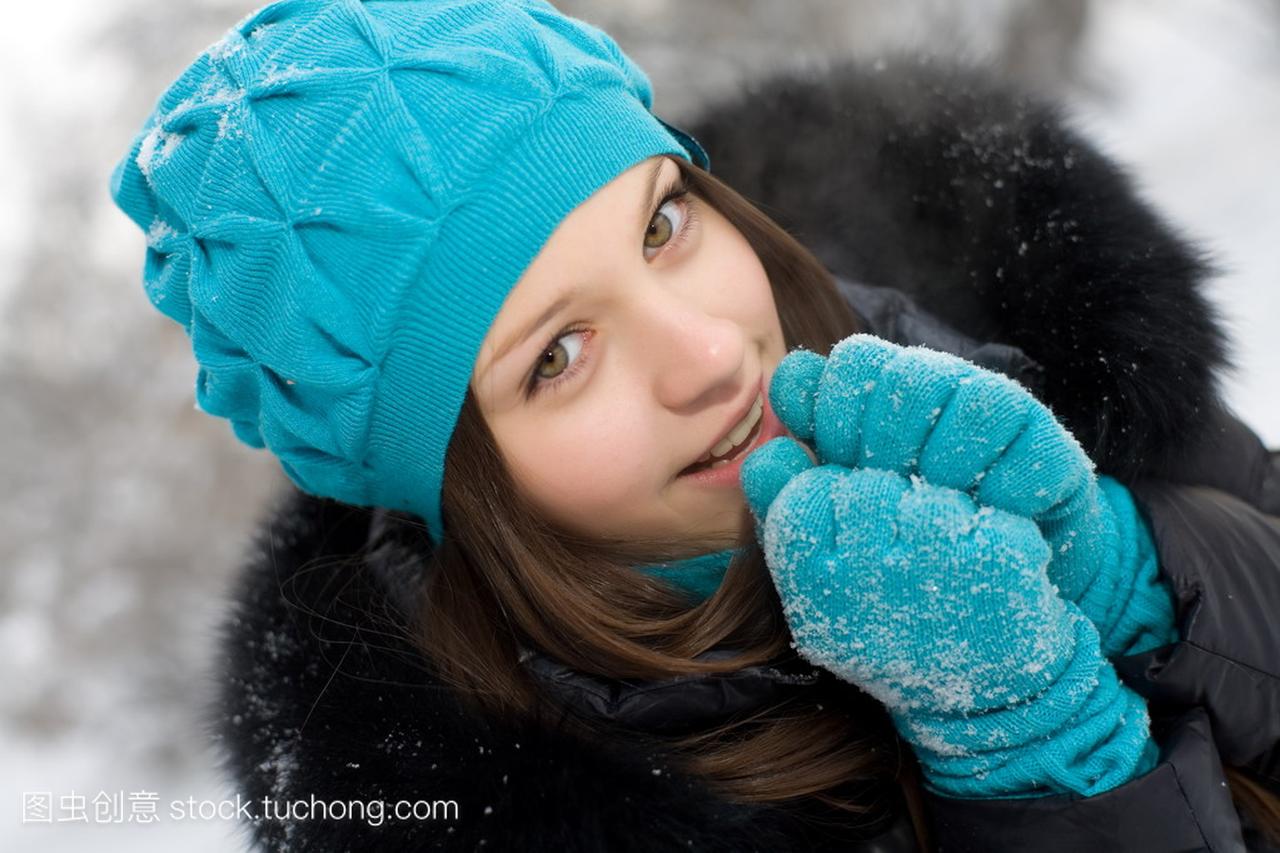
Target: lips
{"x":738,"y":449}
{"x":727,"y":474}
{"x":742,"y":414}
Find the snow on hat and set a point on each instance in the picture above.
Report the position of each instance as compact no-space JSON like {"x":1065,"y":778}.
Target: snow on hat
{"x":338,"y":196}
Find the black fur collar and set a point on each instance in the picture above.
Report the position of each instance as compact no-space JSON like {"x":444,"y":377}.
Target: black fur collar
{"x":985,"y":207}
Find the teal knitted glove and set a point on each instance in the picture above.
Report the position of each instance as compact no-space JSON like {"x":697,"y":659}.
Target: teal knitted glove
{"x":942,"y":611}
{"x":874,"y":404}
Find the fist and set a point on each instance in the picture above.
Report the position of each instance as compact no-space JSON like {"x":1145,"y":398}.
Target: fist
{"x":911,"y":591}
{"x":916,"y":411}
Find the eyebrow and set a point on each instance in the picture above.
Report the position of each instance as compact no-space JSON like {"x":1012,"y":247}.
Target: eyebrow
{"x":514,"y":342}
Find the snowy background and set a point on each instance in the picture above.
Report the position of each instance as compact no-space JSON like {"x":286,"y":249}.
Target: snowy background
{"x":125,"y":511}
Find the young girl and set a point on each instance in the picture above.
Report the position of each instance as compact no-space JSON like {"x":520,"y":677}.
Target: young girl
{"x":500,"y":325}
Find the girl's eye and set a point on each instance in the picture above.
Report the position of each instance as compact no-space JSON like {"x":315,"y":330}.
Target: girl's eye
{"x":661,"y":230}
{"x":555,"y":367}
{"x":553,"y":360}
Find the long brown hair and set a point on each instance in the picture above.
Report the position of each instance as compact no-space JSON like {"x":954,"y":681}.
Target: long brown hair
{"x":504,"y":577}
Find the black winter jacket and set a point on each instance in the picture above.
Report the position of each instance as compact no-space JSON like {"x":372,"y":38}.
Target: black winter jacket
{"x":955,"y":215}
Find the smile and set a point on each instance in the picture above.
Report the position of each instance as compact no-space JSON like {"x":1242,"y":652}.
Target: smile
{"x":737,"y":437}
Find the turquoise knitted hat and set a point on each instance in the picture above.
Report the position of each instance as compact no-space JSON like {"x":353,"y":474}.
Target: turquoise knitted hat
{"x":339,"y":195}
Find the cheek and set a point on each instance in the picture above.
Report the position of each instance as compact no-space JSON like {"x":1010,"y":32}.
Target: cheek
{"x":586,"y":464}
{"x":746,"y":285}
{"x":754,"y":307}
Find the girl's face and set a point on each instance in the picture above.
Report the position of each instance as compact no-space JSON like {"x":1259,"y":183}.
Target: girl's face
{"x":641,"y":331}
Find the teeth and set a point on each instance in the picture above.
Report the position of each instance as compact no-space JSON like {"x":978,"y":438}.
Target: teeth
{"x":738,"y":433}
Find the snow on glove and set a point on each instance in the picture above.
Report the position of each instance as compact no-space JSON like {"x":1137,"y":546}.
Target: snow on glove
{"x":912,"y":410}
{"x":942,"y":611}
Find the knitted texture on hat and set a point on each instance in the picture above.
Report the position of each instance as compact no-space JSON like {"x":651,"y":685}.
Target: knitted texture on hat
{"x":339,"y":195}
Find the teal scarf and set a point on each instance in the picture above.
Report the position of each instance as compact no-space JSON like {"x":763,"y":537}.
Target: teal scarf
{"x":699,"y":576}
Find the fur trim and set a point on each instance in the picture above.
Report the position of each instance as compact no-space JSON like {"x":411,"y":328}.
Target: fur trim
{"x":323,"y":696}
{"x":985,"y":207}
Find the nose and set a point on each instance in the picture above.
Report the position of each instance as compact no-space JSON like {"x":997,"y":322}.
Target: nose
{"x":697,"y":358}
